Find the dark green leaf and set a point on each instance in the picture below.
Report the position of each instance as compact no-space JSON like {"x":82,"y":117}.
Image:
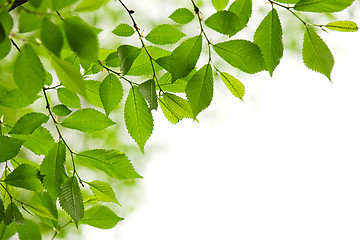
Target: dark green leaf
{"x":28,"y":123}
{"x":148,"y":90}
{"x":57,"y":5}
{"x":2,"y":210}
{"x":182,"y":16}
{"x":68,"y":98}
{"x":233,"y":84}
{"x":29,"y":231}
{"x":25,"y":176}
{"x":7,"y":231}
{"x":342,"y":26}
{"x":225,"y":22}
{"x":9,"y":148}
{"x":322,"y":5}
{"x":220,"y":4}
{"x":111,"y":92}
{"x":164,"y":34}
{"x":61,"y":110}
{"x":12,"y":214}
{"x":51,"y":37}
{"x":127,"y":55}
{"x":35,"y":3}
{"x":123,"y":30}
{"x":100,"y":217}
{"x":5,"y":48}
{"x":103,"y":191}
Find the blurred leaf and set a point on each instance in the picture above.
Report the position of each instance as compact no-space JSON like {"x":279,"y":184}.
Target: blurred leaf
{"x":29,"y":231}
{"x":29,"y":22}
{"x":16,"y":99}
{"x":61,"y":110}
{"x":89,"y":5}
{"x":92,"y":92}
{"x":322,"y":6}
{"x":68,"y":98}
{"x":28,"y":123}
{"x":220,"y":4}
{"x":12,"y":214}
{"x":51,"y":37}
{"x":9,"y":148}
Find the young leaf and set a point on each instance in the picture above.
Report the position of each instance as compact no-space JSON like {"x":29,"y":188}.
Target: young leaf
{"x":242,"y":8}
{"x":268,"y":37}
{"x":68,"y":98}
{"x":28,"y":66}
{"x":81,"y":39}
{"x":89,"y":5}
{"x":12,"y":214}
{"x":103,"y":191}
{"x":127,"y":55}
{"x":185,"y":57}
{"x":323,"y":5}
{"x":148,"y":91}
{"x":200,"y":89}
{"x":87,"y":120}
{"x":29,"y":231}
{"x":53,"y":169}
{"x":138,"y":119}
{"x":111,"y":92}
{"x":234,"y":85}
{"x":71,"y":199}
{"x":51,"y":36}
{"x":220,"y":4}
{"x":316,"y":54}
{"x":16,"y":99}
{"x":92,"y":92}
{"x":28,"y":123}
{"x":61,"y":110}
{"x":182,"y":16}
{"x":164,"y":34}
{"x":241,"y":54}
{"x":178,"y":86}
{"x":25,"y":176}
{"x":175,"y":108}
{"x":342,"y":26}
{"x":224,"y":22}
{"x":101,"y":217}
{"x":41,"y":211}
{"x":112,"y":162}
{"x":123,"y":30}
{"x":9,"y":148}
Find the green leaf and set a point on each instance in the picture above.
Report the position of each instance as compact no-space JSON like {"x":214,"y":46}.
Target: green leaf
{"x":316,"y":54}
{"x":61,"y":110}
{"x":200,"y":89}
{"x":92,"y":92}
{"x":242,"y":8}
{"x":2,"y":33}
{"x":48,"y":78}
{"x":41,"y":211}
{"x":166,"y":83}
{"x":44,"y":206}
{"x":175,"y":108}
{"x":112,"y":60}
{"x":138,"y":119}
{"x":111,"y":92}
{"x":233,"y":84}
{"x":89,"y":5}
{"x":123,"y":30}
{"x":28,"y":66}
{"x":100,"y":217}
{"x":148,"y":90}
{"x":182,"y":16}
{"x":12,"y":214}
{"x":220,"y":4}
{"x":322,"y":5}
{"x":225,"y":22}
{"x":29,"y":22}
{"x":9,"y":148}
{"x":81,"y":38}
{"x":71,"y":199}
{"x":5,"y":48}
{"x":112,"y":162}
{"x":53,"y":169}
{"x":164,"y":34}
{"x":25,"y":176}
{"x":28,"y":123}
{"x":127,"y":55}
{"x":241,"y":54}
{"x":268,"y":37}
{"x":35,"y":3}
{"x":185,"y":57}
{"x":69,"y":76}
{"x":68,"y":98}
{"x":6,"y":24}
{"x":57,"y":5}
{"x":51,"y":36}
{"x":2,"y":210}
{"x":87,"y":120}
{"x":7,"y":231}
{"x":103,"y":191}
{"x":287,"y":1}
{"x":342,"y":26}
{"x":16,"y":99}
{"x":29,"y":231}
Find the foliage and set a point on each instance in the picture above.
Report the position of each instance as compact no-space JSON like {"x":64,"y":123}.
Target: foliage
{"x":60,"y":52}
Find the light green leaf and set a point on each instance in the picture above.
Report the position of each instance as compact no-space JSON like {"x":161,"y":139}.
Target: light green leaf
{"x":29,"y":231}
{"x":28,"y":123}
{"x":268,"y":37}
{"x":2,"y":210}
{"x":111,"y":92}
{"x":322,"y":5}
{"x":12,"y":214}
{"x":287,"y":1}
{"x":29,"y":22}
{"x":9,"y":148}
{"x":138,"y":119}
{"x":5,"y":48}
{"x":61,"y":110}
{"x":123,"y":30}
{"x":148,"y":90}
{"x":101,"y":217}
{"x":241,"y":54}
{"x":342,"y":26}
{"x":220,"y":4}
{"x":178,"y":86}
{"x":28,"y":66}
{"x":41,"y":211}
{"x":81,"y":38}
{"x":51,"y":36}
{"x":71,"y":199}
{"x":103,"y":191}
{"x":112,"y":162}
{"x":316,"y":54}
{"x":35,"y":3}
{"x":175,"y":108}
{"x":89,"y":5}
{"x":112,"y":60}
{"x":233,"y":84}
{"x":92,"y":92}
{"x":16,"y":99}
{"x":53,"y":169}
{"x":7,"y":231}
{"x":164,"y":34}
{"x":225,"y":22}
{"x":68,"y":98}
{"x":242,"y":8}
{"x":25,"y":176}
{"x":6,"y":24}
{"x":127,"y":55}
{"x":57,"y":5}
{"x":182,"y":16}
{"x":87,"y":120}
{"x":200,"y":89}
{"x":185,"y":57}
